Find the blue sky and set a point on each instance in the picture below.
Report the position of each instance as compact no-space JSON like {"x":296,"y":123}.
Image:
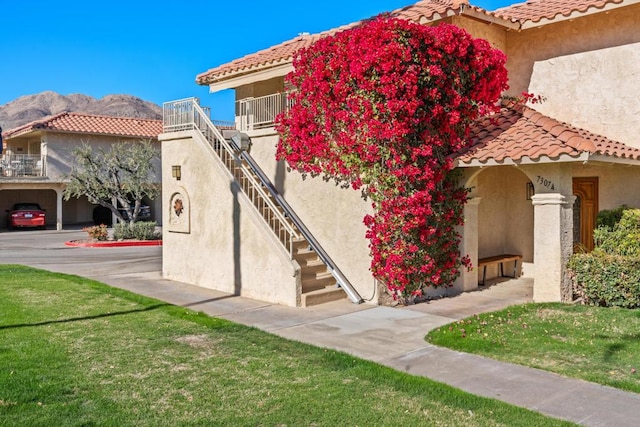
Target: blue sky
{"x":154,"y":49}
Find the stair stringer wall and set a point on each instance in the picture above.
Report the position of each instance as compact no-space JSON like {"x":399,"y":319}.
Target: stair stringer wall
{"x":228,"y":246}
{"x":334,"y":215}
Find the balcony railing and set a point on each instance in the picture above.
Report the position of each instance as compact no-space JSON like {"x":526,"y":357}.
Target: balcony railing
{"x":22,"y":165}
{"x":180,"y":115}
{"x":260,"y":113}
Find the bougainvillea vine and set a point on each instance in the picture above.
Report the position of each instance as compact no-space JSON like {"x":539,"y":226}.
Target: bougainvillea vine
{"x":383,"y":107}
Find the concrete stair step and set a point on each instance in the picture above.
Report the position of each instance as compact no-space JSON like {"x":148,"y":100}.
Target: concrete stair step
{"x":313,"y":281}
{"x":323,"y":295}
{"x":301,"y":246}
{"x":311,"y":263}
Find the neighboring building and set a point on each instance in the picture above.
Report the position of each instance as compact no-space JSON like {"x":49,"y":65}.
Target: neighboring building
{"x":38,"y":155}
{"x":539,"y":175}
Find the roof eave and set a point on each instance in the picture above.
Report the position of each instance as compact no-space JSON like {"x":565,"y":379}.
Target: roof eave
{"x":252,"y":75}
{"x":614,"y":159}
{"x":584,"y":157}
{"x":525,"y":160}
{"x":528,"y":24}
{"x":40,"y":131}
{"x":438,"y":16}
{"x":488,"y":18}
{"x":22,"y":133}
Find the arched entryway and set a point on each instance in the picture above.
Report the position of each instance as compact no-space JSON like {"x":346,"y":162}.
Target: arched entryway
{"x":499,"y":219}
{"x":505,"y":217}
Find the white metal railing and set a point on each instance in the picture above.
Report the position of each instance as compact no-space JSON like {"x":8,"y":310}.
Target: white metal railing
{"x":260,"y":113}
{"x":179,"y":115}
{"x":22,"y":165}
{"x":253,"y":182}
{"x":186,"y":114}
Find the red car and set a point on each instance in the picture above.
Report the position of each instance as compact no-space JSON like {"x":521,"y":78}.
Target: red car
{"x":23,"y":215}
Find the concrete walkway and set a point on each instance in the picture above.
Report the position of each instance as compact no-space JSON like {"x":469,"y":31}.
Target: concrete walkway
{"x":390,"y":336}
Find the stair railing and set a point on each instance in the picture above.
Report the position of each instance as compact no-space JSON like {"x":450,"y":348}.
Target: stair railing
{"x":313,"y":243}
{"x":187,"y":114}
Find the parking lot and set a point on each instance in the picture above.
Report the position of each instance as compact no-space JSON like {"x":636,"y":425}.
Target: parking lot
{"x":46,"y":249}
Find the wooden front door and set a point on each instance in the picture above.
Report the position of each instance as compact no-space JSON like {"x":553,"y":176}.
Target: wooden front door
{"x":585,"y":211}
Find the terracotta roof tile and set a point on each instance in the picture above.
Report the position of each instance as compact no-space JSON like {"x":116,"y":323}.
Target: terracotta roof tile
{"x":516,"y":134}
{"x":284,"y":52}
{"x":422,"y":11}
{"x":92,"y":124}
{"x":537,"y":10}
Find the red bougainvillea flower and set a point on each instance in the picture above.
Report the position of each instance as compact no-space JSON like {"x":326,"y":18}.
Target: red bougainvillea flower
{"x":382,"y":107}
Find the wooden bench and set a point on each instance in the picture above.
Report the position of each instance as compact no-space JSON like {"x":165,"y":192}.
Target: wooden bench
{"x":498,"y":260}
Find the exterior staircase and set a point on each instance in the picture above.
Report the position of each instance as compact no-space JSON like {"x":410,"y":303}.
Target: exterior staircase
{"x":318,"y":285}
{"x":320,"y":279}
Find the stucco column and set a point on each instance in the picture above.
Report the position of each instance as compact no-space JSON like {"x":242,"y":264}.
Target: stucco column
{"x":553,"y":245}
{"x":468,"y":280}
{"x":58,"y":209}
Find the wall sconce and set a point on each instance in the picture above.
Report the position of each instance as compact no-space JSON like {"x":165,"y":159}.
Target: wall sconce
{"x":531,"y":191}
{"x":176,"y":172}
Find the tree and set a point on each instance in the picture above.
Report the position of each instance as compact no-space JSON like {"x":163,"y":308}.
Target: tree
{"x":118,"y":176}
{"x":383,"y":107}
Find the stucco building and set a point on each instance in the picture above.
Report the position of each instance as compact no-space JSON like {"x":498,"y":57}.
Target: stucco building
{"x":38,"y":155}
{"x":539,"y":174}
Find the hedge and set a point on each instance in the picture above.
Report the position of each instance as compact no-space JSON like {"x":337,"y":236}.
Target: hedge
{"x":610,"y":275}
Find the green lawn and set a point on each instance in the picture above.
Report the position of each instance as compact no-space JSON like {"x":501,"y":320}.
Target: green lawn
{"x":596,"y":344}
{"x":74,"y":352}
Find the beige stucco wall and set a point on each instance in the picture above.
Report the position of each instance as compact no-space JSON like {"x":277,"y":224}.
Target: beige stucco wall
{"x":494,"y":34}
{"x":263,"y":88}
{"x":587,"y":69}
{"x":334,"y":215}
{"x":59,"y":148}
{"x":505,"y":215}
{"x":227,"y":247}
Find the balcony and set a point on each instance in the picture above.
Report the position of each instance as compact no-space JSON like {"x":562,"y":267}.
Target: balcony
{"x":181,"y":115}
{"x":260,"y":113}
{"x":22,"y":165}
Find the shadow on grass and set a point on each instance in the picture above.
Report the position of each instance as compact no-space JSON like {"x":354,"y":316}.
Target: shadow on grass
{"x":618,"y":346}
{"x":204,"y":301}
{"x":75,"y":319}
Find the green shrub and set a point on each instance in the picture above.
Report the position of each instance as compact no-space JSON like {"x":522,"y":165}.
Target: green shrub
{"x":143,"y":230}
{"x":610,"y":217}
{"x":610,"y":275}
{"x":623,"y":238}
{"x":606,"y":280}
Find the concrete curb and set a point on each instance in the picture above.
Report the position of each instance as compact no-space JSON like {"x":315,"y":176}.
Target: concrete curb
{"x":85,"y":244}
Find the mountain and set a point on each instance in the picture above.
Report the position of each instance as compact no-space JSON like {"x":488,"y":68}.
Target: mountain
{"x":33,"y":107}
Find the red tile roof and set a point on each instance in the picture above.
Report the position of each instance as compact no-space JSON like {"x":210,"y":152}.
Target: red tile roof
{"x":92,"y":124}
{"x":422,"y":11}
{"x":283,"y":53}
{"x":537,"y":10}
{"x":524,"y":134}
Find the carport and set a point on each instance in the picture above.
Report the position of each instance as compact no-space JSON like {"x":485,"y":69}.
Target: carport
{"x":48,"y":196}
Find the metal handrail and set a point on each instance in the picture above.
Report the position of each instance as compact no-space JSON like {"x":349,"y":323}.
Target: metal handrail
{"x":189,"y":109}
{"x":313,"y":243}
{"x":260,"y":112}
{"x":22,"y":165}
